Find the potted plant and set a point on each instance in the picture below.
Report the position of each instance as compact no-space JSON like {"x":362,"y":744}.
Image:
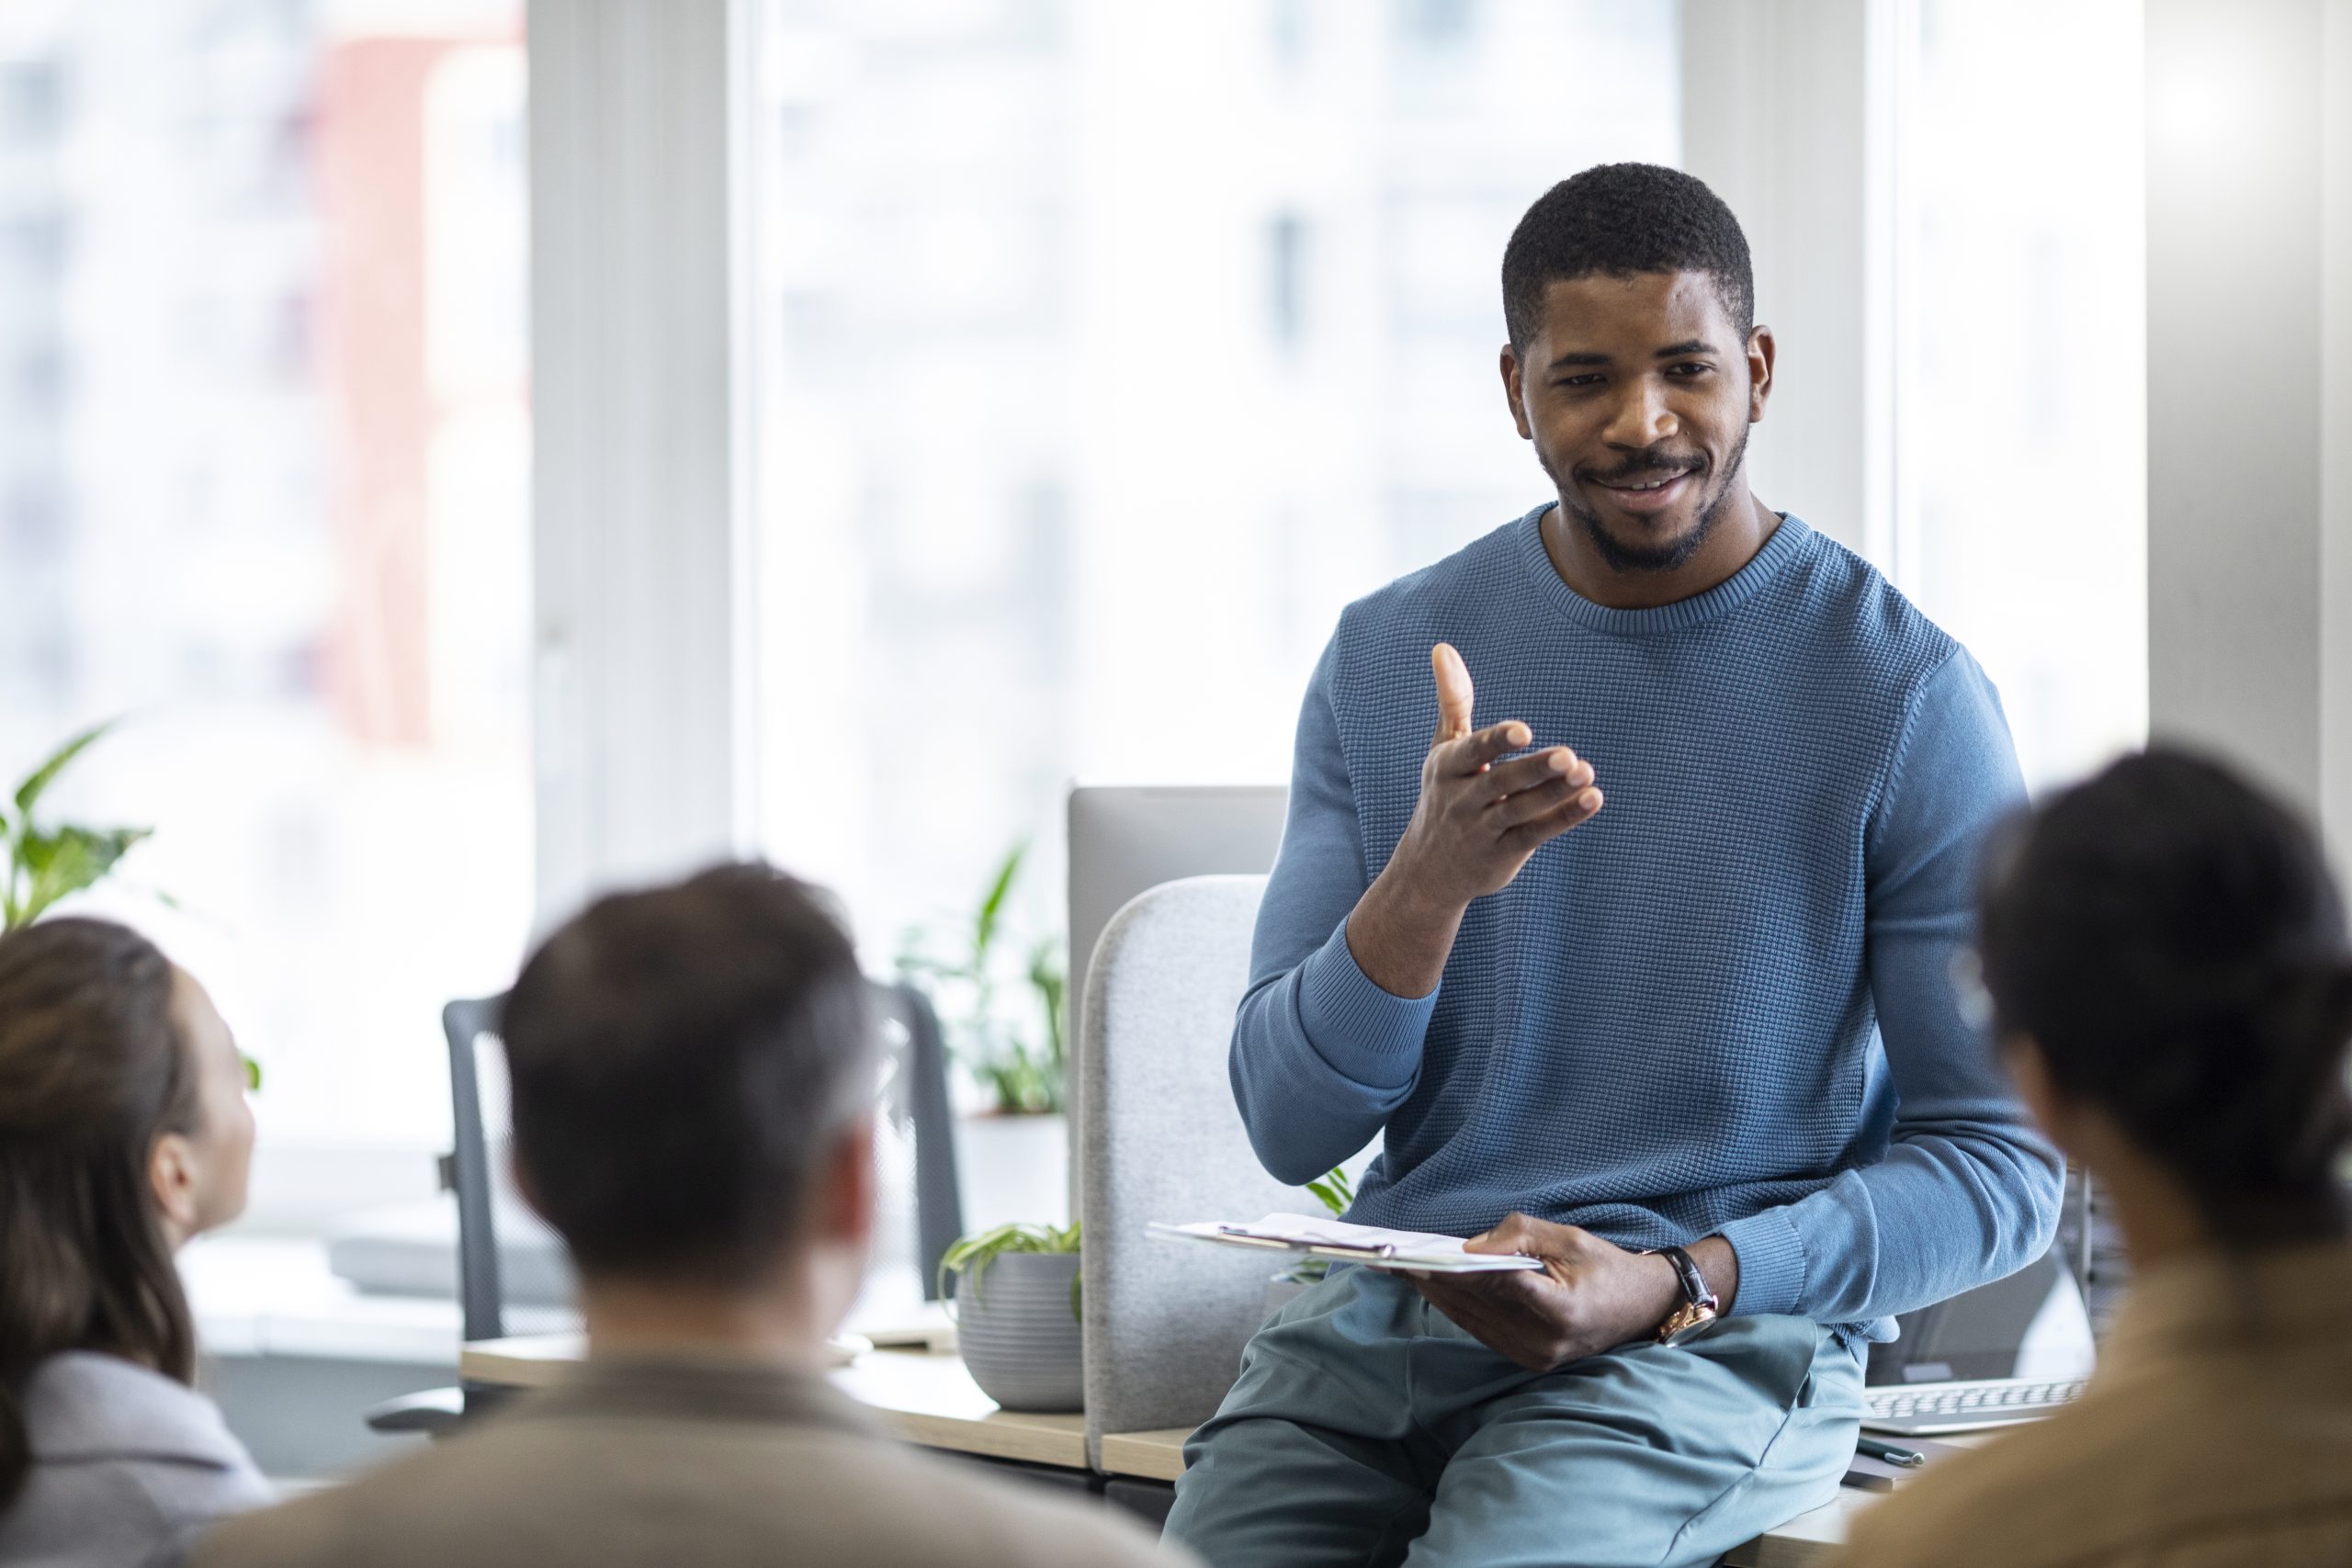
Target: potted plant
{"x":39,"y":865}
{"x":1001,"y":1007}
{"x":1017,"y":1313}
{"x":45,"y":864}
{"x":1335,"y":1193}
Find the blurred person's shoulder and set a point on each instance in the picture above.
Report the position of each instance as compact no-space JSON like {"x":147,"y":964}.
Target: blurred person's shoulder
{"x":627,"y":1480}
{"x":126,"y":1464}
{"x":2219,"y":1461}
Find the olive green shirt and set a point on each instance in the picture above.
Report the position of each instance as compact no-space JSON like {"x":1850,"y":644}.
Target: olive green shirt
{"x":2217,"y":1431}
{"x":715,"y":1464}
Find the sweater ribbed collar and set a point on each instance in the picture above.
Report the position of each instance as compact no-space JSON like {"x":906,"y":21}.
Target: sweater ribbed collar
{"x":1789,"y":541}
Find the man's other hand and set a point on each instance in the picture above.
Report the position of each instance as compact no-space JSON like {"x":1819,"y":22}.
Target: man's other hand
{"x":1591,"y":1296}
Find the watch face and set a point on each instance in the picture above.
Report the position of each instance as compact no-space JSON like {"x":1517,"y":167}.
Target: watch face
{"x":1690,"y":1321}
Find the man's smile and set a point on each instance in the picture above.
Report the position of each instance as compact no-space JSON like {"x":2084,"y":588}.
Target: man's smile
{"x":1648,"y":493}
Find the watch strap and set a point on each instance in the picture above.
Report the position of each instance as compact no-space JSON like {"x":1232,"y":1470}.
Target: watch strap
{"x":1686,"y":1268}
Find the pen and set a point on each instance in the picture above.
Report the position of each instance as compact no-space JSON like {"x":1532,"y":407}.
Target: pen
{"x":1871,"y":1448}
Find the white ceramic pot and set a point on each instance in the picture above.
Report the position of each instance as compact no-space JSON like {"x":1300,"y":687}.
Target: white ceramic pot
{"x":1017,"y":1326}
{"x":1012,"y":1170}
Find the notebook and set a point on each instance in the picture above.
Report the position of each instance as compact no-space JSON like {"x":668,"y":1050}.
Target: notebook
{"x":1369,"y":1245}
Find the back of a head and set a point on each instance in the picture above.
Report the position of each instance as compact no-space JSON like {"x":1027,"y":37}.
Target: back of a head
{"x":1620,"y":219}
{"x":2172,"y":940}
{"x":681,"y":1058}
{"x":91,"y":1073}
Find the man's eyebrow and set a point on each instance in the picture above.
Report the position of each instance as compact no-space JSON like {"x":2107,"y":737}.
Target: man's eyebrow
{"x":1562,"y":360}
{"x":1688,"y":345}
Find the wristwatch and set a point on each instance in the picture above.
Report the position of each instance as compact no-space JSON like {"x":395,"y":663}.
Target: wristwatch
{"x":1699,"y":1312}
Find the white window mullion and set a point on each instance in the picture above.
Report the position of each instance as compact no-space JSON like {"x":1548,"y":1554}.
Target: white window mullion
{"x":1785,"y":105}
{"x":637,"y":511}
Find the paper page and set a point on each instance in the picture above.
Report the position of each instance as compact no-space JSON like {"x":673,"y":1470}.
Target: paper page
{"x":1308,"y":1231}
{"x":1376,"y":1247}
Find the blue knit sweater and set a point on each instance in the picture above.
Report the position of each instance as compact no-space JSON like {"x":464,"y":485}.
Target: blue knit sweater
{"x":1724,"y":1005}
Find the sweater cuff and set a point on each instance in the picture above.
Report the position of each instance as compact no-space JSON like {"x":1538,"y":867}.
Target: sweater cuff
{"x":1365,"y":1034}
{"x":1771,"y":1262}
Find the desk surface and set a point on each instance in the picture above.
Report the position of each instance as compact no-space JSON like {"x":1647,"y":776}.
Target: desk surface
{"x":928,"y":1398}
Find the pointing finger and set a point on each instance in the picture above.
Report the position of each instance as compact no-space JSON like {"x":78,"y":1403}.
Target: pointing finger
{"x":1454,"y":692}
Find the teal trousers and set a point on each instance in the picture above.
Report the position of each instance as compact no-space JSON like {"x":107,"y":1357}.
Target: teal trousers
{"x":1366,"y":1429}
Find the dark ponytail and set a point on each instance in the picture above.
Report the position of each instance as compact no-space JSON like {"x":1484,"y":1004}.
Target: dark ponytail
{"x":2172,"y":942}
{"x":92,"y":1072}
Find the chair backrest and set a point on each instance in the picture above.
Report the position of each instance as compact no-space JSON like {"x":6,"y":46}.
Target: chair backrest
{"x":1166,"y":1320}
{"x":482,"y":1303}
{"x":916,"y":1094}
{"x":915,"y":1099}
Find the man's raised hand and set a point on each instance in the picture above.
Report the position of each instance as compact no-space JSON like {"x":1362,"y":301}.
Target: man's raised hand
{"x":1480,"y":816}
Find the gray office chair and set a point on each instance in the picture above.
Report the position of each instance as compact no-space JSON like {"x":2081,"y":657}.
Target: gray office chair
{"x":465,"y":1171}
{"x":1166,"y":1320}
{"x":914,"y":1102}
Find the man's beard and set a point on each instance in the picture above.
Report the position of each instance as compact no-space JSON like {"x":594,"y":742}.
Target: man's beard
{"x":1618,"y":556}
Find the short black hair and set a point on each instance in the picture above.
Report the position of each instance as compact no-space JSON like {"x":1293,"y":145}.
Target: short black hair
{"x":1623,"y":219}
{"x":2170,"y":937}
{"x":680,"y":1058}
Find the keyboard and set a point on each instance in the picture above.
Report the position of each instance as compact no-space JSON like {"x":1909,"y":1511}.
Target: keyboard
{"x":1924,"y":1409}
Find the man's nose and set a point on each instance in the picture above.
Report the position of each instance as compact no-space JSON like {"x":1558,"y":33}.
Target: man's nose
{"x":1641,"y":417}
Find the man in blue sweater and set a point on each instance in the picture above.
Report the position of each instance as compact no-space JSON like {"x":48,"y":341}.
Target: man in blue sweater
{"x":1696,"y":1047}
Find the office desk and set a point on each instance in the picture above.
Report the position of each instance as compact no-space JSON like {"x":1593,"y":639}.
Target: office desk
{"x":929,"y":1399}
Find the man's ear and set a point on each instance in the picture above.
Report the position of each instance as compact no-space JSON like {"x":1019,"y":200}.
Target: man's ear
{"x":847,"y":1186}
{"x":1760,"y":350}
{"x":1515,"y":393}
{"x":171,"y":1176}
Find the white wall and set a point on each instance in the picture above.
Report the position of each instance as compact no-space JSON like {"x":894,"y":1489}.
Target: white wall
{"x":2246,"y":588}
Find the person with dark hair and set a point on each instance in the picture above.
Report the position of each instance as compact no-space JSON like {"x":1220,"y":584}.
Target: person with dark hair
{"x":2164,"y":956}
{"x":123,"y":1132}
{"x":693,"y":1078}
{"x":1696,"y":1049}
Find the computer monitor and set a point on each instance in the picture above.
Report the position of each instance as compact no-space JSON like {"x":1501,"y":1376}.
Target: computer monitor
{"x":2032,"y":1325}
{"x":1128,"y":839}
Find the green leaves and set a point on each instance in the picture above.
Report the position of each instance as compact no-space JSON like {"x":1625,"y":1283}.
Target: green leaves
{"x":992,"y":906}
{"x":1024,"y":1068}
{"x":44,"y":865}
{"x":32,"y":790}
{"x":50,"y":865}
{"x":1336,"y":1191}
{"x":971,"y":1254}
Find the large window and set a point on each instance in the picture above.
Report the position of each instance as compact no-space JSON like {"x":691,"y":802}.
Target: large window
{"x":1110,"y":350}
{"x":264,"y":454}
{"x":2023,"y":341}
